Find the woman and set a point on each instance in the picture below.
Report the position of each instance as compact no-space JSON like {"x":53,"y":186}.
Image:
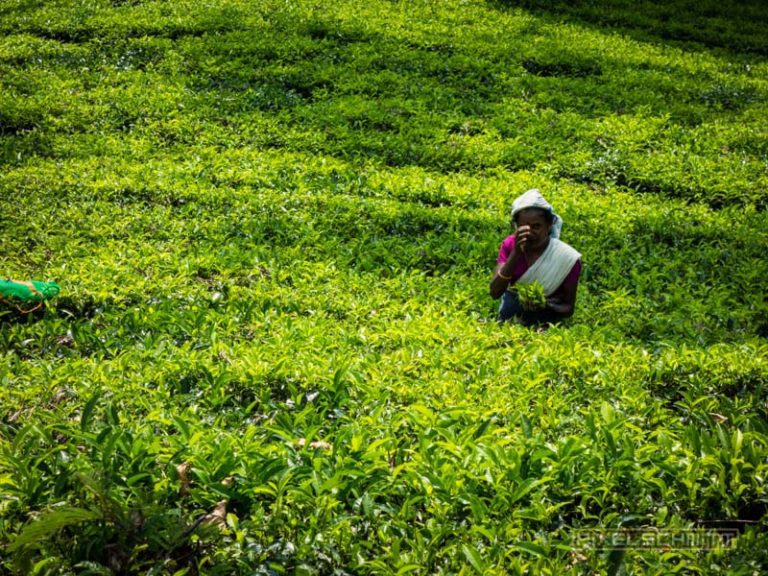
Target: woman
{"x":534,"y":253}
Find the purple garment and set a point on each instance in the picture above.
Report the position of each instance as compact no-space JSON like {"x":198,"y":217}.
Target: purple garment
{"x":505,"y":251}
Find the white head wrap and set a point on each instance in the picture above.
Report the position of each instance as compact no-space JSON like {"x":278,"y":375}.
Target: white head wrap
{"x":533,"y":199}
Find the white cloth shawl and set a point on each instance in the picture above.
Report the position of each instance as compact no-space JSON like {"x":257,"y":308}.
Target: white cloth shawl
{"x":552,"y":266}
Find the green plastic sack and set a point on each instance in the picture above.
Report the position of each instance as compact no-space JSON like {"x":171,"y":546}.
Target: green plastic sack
{"x":19,"y":292}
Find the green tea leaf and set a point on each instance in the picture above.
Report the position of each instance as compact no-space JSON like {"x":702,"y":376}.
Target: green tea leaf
{"x":51,"y":522}
{"x":474,"y":558}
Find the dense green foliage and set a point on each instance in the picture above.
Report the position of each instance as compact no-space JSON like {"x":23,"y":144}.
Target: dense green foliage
{"x":274,"y":225}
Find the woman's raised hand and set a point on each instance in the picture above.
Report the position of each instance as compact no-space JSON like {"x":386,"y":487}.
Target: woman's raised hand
{"x":521,"y":237}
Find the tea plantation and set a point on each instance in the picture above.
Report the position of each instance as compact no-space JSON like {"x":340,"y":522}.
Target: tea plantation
{"x":274,"y":224}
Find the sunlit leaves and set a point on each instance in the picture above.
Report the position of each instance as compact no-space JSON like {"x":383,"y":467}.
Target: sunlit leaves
{"x":274,"y":351}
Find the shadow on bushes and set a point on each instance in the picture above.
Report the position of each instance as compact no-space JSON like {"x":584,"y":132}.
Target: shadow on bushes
{"x":732,"y":26}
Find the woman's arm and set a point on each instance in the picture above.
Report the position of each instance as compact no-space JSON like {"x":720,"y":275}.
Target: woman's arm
{"x":503,"y":277}
{"x":565,"y":303}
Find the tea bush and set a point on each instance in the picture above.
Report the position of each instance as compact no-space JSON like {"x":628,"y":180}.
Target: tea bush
{"x":274,"y":227}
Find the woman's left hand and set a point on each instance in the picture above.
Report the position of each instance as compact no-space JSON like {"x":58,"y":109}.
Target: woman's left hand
{"x":560,"y":306}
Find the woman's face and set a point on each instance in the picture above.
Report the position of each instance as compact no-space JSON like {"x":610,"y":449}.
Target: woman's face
{"x":538,"y":226}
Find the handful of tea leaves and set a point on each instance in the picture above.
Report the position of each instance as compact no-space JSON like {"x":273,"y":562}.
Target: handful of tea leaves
{"x":531,"y":296}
